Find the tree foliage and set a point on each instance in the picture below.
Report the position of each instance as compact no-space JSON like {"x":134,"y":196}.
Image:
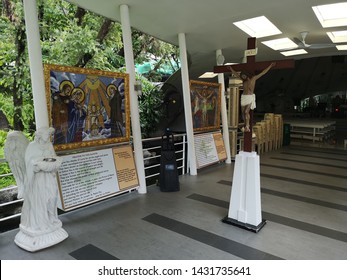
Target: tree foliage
{"x":69,"y":36}
{"x":72,"y":36}
{"x":14,"y":80}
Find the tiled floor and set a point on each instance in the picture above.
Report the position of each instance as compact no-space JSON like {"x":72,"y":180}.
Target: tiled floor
{"x":304,"y":200}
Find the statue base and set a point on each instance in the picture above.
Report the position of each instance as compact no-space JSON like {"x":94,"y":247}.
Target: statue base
{"x":37,"y":240}
{"x":245,"y":203}
{"x":245,"y":226}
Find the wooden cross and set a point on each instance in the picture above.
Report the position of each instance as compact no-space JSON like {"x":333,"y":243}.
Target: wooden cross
{"x":252,"y":67}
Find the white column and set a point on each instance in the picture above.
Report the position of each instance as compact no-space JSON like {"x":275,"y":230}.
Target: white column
{"x":35,"y":63}
{"x":187,"y":103}
{"x":224,"y":114}
{"x":134,"y":104}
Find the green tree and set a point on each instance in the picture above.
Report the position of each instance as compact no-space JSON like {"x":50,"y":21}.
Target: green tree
{"x":69,"y":36}
{"x":15,"y":82}
{"x":72,"y":36}
{"x":150,"y":108}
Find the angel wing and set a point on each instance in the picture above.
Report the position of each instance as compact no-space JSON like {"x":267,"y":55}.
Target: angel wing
{"x":14,"y":149}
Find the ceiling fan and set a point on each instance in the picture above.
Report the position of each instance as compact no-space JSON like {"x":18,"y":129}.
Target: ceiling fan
{"x":302,"y":44}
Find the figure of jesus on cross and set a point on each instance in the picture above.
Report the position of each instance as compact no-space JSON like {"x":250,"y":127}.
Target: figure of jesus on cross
{"x":252,"y":67}
{"x":248,"y":95}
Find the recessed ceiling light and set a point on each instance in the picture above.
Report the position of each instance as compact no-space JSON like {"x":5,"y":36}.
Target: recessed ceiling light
{"x":280,"y":44}
{"x":332,"y":14}
{"x":258,"y":27}
{"x":208,"y":75}
{"x":294,"y":52}
{"x":342,"y":47}
{"x":338,"y":36}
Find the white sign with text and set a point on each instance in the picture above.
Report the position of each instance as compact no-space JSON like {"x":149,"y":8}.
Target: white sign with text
{"x":86,"y":177}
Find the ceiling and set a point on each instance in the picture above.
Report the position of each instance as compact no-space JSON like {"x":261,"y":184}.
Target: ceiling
{"x":208,"y":26}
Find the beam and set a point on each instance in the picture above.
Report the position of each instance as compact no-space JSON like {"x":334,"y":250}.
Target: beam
{"x":258,"y":66}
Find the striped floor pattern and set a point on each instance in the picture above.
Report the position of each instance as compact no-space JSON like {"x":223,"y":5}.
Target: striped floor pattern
{"x":304,"y":203}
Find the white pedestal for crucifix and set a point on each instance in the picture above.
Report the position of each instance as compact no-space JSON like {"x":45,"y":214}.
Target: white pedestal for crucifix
{"x":245,"y":202}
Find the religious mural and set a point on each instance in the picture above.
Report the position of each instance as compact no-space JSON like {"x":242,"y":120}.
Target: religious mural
{"x":87,"y":107}
{"x":205,"y":104}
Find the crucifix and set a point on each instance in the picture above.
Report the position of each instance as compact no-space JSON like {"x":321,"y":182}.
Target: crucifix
{"x":252,"y":68}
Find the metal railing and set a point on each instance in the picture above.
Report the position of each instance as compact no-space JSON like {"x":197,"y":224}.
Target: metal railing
{"x":152,"y":149}
{"x":12,"y":203}
{"x":152,"y":154}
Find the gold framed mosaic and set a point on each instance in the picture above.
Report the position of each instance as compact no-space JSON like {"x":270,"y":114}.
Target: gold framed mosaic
{"x":87,"y":107}
{"x":206,"y":105}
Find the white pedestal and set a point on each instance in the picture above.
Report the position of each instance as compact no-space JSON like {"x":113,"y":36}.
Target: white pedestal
{"x":245,"y":202}
{"x":33,"y":241}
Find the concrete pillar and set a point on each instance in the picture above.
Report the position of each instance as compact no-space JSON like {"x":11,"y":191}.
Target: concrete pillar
{"x":134,"y":104}
{"x":187,"y":103}
{"x":224,"y":114}
{"x":35,"y":63}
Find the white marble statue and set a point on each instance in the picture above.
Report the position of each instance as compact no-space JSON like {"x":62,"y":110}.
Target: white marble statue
{"x":40,"y":227}
{"x":15,"y":146}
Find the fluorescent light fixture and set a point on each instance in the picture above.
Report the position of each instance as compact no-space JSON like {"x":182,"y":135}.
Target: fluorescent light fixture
{"x":258,"y":27}
{"x":338,"y":36}
{"x":280,"y":44}
{"x":342,"y":47}
{"x":295,"y":52}
{"x":208,"y":75}
{"x":332,"y":14}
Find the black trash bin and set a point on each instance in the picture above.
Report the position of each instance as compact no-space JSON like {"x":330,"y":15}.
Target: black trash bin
{"x":168,"y":177}
{"x":286,"y":134}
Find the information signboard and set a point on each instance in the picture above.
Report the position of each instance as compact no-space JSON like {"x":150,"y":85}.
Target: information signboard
{"x":87,"y":177}
{"x":209,"y":148}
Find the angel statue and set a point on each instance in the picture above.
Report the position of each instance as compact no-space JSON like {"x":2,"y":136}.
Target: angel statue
{"x":16,"y":144}
{"x":39,"y":227}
